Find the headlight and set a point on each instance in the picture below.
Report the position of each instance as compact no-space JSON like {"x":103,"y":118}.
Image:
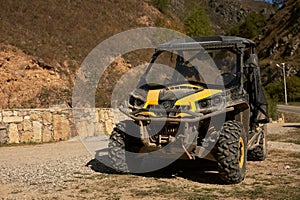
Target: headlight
{"x":205,"y":103}
{"x":135,"y":102}
{"x":211,"y":102}
{"x":216,"y":101}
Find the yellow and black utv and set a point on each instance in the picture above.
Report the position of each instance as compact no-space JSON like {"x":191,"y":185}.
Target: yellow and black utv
{"x":198,"y":98}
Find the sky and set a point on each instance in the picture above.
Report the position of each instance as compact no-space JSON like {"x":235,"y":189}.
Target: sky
{"x":270,"y":1}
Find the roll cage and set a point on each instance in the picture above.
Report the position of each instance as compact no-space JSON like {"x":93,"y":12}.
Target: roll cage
{"x":247,"y":71}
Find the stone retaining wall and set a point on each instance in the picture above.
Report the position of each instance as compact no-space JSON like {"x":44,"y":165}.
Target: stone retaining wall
{"x":46,"y":125}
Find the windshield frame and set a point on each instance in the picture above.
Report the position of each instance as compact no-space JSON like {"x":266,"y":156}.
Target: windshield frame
{"x":178,"y":52}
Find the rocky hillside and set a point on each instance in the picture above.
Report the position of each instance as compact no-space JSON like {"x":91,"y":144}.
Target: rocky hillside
{"x":43,"y":43}
{"x":223,"y":13}
{"x":69,"y":30}
{"x":280,"y":41}
{"x":26,"y":81}
{"x":227,"y":13}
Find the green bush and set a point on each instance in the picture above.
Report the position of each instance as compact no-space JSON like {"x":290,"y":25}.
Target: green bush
{"x":251,"y":27}
{"x":197,"y":23}
{"x":275,"y":93}
{"x":272,"y":105}
{"x":161,"y":5}
{"x":276,"y":90}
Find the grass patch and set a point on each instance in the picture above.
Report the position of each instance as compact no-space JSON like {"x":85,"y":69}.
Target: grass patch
{"x":19,"y":144}
{"x":293,"y":103}
{"x":294,"y":155}
{"x":69,"y":180}
{"x":140,"y":193}
{"x":282,"y":191}
{"x":293,"y":141}
{"x":113,"y":197}
{"x":178,"y":192}
{"x":24,"y":144}
{"x":292,"y":136}
{"x":290,"y":117}
{"x":276,"y":153}
{"x":16,"y":191}
{"x":203,"y":197}
{"x":81,"y":173}
{"x":84,"y":191}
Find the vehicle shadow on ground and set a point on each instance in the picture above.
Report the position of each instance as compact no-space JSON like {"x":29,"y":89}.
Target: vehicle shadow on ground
{"x":201,"y":171}
{"x":101,"y":162}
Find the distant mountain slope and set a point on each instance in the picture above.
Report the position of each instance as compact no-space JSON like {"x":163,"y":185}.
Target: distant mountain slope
{"x":280,"y":41}
{"x":223,"y":13}
{"x":70,"y":29}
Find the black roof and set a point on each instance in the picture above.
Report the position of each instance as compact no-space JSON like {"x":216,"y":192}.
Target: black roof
{"x":206,"y":42}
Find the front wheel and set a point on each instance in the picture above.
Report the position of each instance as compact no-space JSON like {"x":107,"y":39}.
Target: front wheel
{"x":123,"y":147}
{"x":117,"y":153}
{"x":231,"y":152}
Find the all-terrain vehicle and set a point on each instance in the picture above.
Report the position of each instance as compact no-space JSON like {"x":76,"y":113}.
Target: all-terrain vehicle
{"x":198,"y":98}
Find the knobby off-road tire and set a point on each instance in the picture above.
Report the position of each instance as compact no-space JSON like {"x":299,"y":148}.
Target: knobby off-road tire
{"x":259,"y":153}
{"x":116,"y":152}
{"x":231,"y":152}
{"x":124,"y":145}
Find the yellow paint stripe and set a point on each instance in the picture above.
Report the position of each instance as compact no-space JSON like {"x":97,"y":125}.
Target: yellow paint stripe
{"x":196,"y":97}
{"x":147,"y":114}
{"x":152,"y":98}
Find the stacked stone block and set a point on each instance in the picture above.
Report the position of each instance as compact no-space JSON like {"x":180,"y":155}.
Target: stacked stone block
{"x":46,"y":125}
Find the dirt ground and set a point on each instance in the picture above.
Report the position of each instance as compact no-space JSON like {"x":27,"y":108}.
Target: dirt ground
{"x":66,"y":170}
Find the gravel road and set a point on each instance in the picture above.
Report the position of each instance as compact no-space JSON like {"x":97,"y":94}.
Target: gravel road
{"x":46,"y":167}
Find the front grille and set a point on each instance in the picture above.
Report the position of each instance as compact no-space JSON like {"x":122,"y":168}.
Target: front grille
{"x":163,"y":136}
{"x":180,"y":87}
{"x":160,"y":110}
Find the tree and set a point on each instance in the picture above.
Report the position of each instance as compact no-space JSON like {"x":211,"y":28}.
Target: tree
{"x":275,"y":90}
{"x":197,"y":23}
{"x":161,"y":5}
{"x":251,"y":27}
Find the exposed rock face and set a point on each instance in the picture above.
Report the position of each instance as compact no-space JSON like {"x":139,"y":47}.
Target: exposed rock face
{"x":227,"y":13}
{"x":26,"y":81}
{"x":223,"y":13}
{"x":279,"y":41}
{"x":230,"y":12}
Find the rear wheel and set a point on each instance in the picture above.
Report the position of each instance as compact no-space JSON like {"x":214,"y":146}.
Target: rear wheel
{"x":259,"y":152}
{"x":231,"y":152}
